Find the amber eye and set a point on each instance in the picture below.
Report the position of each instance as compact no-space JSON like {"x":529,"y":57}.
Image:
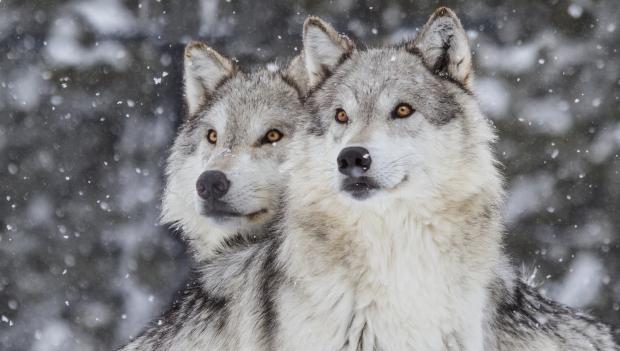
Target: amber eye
{"x":403,"y":110}
{"x":272,"y":136}
{"x":212,"y":136}
{"x":341,"y":116}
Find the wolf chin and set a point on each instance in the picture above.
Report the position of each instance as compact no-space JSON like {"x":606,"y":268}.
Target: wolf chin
{"x":390,"y":237}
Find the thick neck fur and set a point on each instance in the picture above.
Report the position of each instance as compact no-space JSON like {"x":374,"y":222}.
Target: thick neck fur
{"x":413,"y":275}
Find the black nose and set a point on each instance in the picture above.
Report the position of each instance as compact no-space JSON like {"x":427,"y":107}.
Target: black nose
{"x":212,"y":185}
{"x":354,"y":161}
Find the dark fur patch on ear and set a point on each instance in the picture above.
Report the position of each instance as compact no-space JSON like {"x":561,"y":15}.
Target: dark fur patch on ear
{"x":413,"y":50}
{"x":416,"y":52}
{"x":327,"y":73}
{"x":343,"y":58}
{"x":440,"y":67}
{"x":293,"y":84}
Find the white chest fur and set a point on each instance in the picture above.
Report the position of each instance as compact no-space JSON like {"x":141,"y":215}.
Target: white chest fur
{"x":417,"y":293}
{"x":409,"y":287}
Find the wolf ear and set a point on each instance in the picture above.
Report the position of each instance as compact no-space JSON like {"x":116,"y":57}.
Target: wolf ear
{"x":204,"y":70}
{"x":443,"y":45}
{"x":296,"y":74}
{"x":324,"y":48}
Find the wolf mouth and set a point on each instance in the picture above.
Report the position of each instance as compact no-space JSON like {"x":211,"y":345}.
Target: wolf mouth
{"x":359,"y":187}
{"x":225,"y":213}
{"x":363,"y":187}
{"x":221,"y":213}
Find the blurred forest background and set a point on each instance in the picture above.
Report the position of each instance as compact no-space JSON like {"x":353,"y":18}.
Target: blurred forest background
{"x":90,"y":99}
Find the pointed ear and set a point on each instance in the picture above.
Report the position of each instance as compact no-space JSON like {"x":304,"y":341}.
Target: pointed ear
{"x":295,"y":73}
{"x":443,"y":45}
{"x":204,"y":70}
{"x":323,"y":49}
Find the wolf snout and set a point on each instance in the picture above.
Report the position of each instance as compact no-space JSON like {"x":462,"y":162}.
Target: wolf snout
{"x":212,"y":185}
{"x":354,"y":161}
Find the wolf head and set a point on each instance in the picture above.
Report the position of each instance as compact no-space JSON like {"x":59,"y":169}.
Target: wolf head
{"x":223,"y":175}
{"x":394,"y":125}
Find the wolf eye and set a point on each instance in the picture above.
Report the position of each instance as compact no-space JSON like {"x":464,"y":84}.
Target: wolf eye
{"x":403,"y":110}
{"x":272,"y":136}
{"x":212,"y":136}
{"x":341,"y":116}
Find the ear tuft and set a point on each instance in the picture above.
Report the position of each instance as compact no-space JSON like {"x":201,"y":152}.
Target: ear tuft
{"x":204,"y":70}
{"x":444,"y":11}
{"x":444,"y":47}
{"x":324,"y":48}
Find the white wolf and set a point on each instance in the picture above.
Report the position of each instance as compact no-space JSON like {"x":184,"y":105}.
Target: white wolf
{"x":223,"y":175}
{"x":390,"y":235}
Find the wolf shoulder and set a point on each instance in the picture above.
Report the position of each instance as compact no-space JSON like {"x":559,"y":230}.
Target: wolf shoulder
{"x":222,"y":307}
{"x":523,"y":319}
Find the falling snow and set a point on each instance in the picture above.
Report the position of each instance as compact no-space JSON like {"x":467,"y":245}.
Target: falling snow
{"x":90,"y":101}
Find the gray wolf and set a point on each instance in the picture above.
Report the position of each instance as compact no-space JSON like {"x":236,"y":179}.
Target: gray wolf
{"x":223,"y":174}
{"x":390,"y":234}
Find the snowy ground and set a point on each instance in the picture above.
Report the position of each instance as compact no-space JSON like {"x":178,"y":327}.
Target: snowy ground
{"x":90,"y":99}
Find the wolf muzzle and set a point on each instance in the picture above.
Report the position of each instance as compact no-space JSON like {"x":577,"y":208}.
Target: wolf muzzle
{"x":354,"y":162}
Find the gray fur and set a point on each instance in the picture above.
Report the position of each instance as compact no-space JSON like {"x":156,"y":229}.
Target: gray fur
{"x":241,"y":108}
{"x":416,"y":265}
{"x":525,"y":320}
